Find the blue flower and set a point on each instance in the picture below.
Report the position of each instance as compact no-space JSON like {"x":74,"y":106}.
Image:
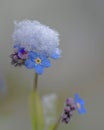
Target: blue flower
{"x":56,"y":54}
{"x":80,"y":104}
{"x":38,"y":62}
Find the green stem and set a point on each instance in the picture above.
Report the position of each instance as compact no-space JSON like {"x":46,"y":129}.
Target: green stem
{"x":57,"y":124}
{"x":35,"y":81}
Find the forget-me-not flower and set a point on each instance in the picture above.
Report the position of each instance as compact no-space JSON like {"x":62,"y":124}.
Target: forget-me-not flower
{"x":80,"y":104}
{"x":38,"y":62}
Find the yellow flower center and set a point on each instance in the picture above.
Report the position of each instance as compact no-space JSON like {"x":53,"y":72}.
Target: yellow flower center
{"x":38,"y":61}
{"x":78,"y":105}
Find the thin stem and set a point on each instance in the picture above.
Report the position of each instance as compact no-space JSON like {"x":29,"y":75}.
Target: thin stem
{"x":57,"y":123}
{"x":35,"y":81}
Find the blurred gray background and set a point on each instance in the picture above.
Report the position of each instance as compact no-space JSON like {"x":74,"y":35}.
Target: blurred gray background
{"x":80,"y":69}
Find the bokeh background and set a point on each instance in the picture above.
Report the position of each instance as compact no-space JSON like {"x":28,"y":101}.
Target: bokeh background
{"x":80,"y":69}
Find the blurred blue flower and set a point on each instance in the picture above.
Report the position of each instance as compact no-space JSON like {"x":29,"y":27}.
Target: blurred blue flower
{"x":80,"y":104}
{"x":38,"y":62}
{"x":56,"y":54}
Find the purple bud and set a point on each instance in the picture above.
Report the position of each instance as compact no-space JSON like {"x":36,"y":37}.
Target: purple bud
{"x":15,"y":57}
{"x":22,"y":53}
{"x":73,"y":107}
{"x":67,"y":120}
{"x":71,"y":113}
{"x":69,"y":101}
{"x":67,"y":109}
{"x":64,"y":116}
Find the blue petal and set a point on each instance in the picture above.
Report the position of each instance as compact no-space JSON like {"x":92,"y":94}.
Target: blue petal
{"x":29,"y":64}
{"x":55,"y":56}
{"x":45,"y":54}
{"x":33,"y":55}
{"x":39,"y":69}
{"x":79,"y":100}
{"x":76,"y":97}
{"x":46,"y":62}
{"x":82,"y":110}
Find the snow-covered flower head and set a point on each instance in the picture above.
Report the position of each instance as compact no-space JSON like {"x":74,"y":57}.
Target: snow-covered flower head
{"x":34,"y":36}
{"x":34,"y":45}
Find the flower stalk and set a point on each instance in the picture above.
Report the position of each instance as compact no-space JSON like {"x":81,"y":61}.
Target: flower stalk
{"x":35,"y":82}
{"x":57,"y":124}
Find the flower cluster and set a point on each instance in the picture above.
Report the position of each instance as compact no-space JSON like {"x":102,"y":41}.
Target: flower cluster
{"x":69,"y":108}
{"x":71,"y":105}
{"x":34,"y":44}
{"x":19,"y":56}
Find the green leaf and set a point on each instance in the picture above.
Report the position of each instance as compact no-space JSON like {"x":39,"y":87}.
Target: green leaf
{"x":36,"y":111}
{"x":51,"y":127}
